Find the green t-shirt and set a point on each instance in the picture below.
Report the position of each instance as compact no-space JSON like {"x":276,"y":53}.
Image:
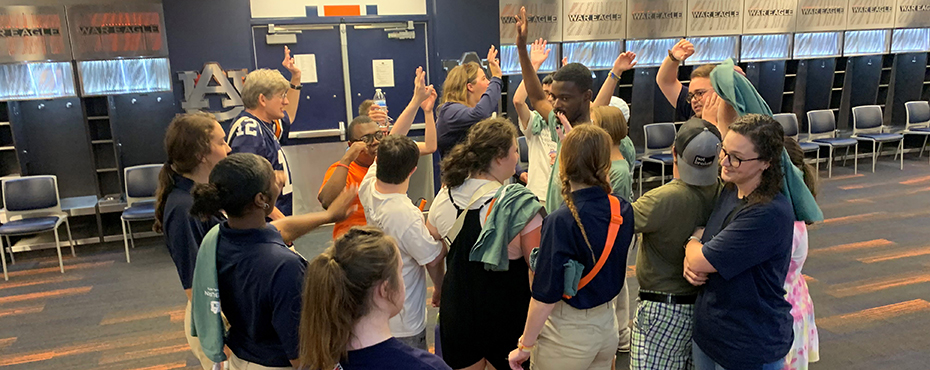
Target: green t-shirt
{"x":667,"y":216}
{"x":621,"y":180}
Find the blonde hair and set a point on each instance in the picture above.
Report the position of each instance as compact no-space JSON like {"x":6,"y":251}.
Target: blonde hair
{"x":584,"y":159}
{"x":455,"y":88}
{"x":611,"y":120}
{"x":267,"y":82}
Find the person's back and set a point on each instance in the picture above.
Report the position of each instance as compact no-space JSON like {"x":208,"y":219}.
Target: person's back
{"x":391,"y":354}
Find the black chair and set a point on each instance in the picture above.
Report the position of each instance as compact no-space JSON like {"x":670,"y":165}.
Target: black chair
{"x":33,"y":206}
{"x":918,"y":121}
{"x":867,"y":126}
{"x":141,"y":184}
{"x":659,"y":139}
{"x":821,"y":130}
{"x":789,"y":122}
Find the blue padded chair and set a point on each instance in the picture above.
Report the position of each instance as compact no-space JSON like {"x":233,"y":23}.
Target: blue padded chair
{"x":918,"y":121}
{"x":659,"y":138}
{"x":867,"y":126}
{"x":821,"y":130}
{"x":524,"y":150}
{"x":141,"y":184}
{"x":33,"y":206}
{"x":789,"y":122}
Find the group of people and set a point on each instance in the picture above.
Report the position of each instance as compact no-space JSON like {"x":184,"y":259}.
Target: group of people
{"x":523,"y":276}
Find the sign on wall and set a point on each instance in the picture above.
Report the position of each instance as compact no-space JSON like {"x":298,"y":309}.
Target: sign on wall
{"x":544,"y":18}
{"x":33,"y":33}
{"x":117,"y":31}
{"x":912,"y":13}
{"x":590,"y":20}
{"x":656,"y":18}
{"x":213,"y":80}
{"x":714,"y":17}
{"x":770,"y":16}
{"x":821,"y":15}
{"x":870,"y":14}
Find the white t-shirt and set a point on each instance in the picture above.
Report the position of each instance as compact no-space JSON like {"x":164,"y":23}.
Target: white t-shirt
{"x":399,"y":218}
{"x":442,"y":213}
{"x":540,"y":146}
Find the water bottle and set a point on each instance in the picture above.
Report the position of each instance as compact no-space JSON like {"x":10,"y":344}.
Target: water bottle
{"x":381,"y":101}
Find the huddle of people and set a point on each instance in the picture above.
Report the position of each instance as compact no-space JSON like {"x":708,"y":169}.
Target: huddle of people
{"x":523,"y":276}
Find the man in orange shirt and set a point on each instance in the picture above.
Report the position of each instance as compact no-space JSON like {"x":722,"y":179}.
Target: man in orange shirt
{"x":364,"y":136}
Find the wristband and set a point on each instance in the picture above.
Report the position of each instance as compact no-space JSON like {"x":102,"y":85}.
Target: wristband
{"x":672,"y":56}
{"x":342,"y":165}
{"x":523,"y":348}
{"x":614,"y":75}
{"x":692,"y":237}
{"x":296,"y":87}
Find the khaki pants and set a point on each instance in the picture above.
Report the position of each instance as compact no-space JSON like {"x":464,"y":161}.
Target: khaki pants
{"x":236,"y":363}
{"x":194,"y":342}
{"x":576,"y":339}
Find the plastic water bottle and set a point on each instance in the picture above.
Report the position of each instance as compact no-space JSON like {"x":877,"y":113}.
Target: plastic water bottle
{"x":379,"y":99}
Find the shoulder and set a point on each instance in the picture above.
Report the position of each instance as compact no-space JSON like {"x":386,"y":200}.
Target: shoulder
{"x":412,"y":358}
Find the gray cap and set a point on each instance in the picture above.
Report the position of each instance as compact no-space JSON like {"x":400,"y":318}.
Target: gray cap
{"x":698,"y":144}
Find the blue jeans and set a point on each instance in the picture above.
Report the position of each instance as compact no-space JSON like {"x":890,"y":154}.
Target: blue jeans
{"x":703,"y":362}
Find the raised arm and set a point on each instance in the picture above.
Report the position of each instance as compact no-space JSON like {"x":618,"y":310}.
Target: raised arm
{"x":538,"y":55}
{"x":293,"y":95}
{"x":667,"y":77}
{"x":420,"y":93}
{"x":430,"y":143}
{"x":294,"y":227}
{"x":531,"y":81}
{"x":624,"y":62}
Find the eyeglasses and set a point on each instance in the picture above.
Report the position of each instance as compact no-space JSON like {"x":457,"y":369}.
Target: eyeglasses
{"x":696,"y":94}
{"x":370,"y":138}
{"x":734,"y":160}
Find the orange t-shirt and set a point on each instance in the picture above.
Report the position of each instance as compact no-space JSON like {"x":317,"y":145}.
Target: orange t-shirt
{"x":355,"y":176}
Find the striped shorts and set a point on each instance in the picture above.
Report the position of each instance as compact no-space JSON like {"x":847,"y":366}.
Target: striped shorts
{"x":662,"y":336}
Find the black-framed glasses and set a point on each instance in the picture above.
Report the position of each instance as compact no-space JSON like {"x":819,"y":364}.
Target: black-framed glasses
{"x":734,"y":160}
{"x":696,"y":94}
{"x":370,"y":138}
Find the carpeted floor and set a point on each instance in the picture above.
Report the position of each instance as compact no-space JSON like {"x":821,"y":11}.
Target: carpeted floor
{"x":868,"y":276}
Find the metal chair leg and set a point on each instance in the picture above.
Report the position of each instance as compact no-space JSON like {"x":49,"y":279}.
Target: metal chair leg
{"x":846,"y":156}
{"x":70,"y":239}
{"x":662,"y":180}
{"x":856,"y":159}
{"x":817,"y":165}
{"x":125,"y":239}
{"x":922,"y":147}
{"x":3,"y":258}
{"x":132,"y":241}
{"x":641,"y":179}
{"x":873,"y":156}
{"x":61,"y":263}
{"x":10,"y":244}
{"x":901,"y":152}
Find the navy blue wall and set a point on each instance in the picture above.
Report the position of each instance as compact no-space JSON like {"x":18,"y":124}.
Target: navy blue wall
{"x":463,"y":26}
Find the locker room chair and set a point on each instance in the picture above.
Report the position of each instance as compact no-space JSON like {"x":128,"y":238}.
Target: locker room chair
{"x":789,"y":122}
{"x":524,"y":150}
{"x":141,"y":184}
{"x":821,"y":130}
{"x":868,"y":126}
{"x":33,"y":206}
{"x":659,"y":138}
{"x":918,"y":121}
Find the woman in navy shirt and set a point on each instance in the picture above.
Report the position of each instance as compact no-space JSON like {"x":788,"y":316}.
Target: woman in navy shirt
{"x":741,"y":317}
{"x":467,"y":97}
{"x":352,"y":290}
{"x":581,"y":331}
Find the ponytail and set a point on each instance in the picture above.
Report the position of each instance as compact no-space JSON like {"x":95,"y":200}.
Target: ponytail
{"x":165,"y":186}
{"x":338,"y":291}
{"x":487,"y":140}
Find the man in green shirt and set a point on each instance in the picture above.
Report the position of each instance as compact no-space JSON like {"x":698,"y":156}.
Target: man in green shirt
{"x":667,"y":216}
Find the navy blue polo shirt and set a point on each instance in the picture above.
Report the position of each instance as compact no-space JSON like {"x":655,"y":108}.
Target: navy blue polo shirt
{"x":741,"y":317}
{"x":561,"y":240}
{"x":248,"y":134}
{"x":183,"y":232}
{"x":261,"y":282}
{"x":391,"y":354}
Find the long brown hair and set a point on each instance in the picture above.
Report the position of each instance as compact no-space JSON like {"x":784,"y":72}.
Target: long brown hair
{"x":487,"y":140}
{"x":768,"y":138}
{"x":611,"y":120}
{"x":584,"y":159}
{"x":455,"y":88}
{"x":187,"y":141}
{"x":797,"y":159}
{"x":338,"y":292}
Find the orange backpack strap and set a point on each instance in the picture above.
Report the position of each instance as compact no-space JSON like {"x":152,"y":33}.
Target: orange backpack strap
{"x":616,"y":219}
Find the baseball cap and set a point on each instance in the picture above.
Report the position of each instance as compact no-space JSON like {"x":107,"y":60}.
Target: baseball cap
{"x":698,"y":144}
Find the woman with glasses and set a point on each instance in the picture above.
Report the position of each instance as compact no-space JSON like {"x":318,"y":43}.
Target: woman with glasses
{"x":364,"y":135}
{"x":468,"y":96}
{"x":741,"y":318}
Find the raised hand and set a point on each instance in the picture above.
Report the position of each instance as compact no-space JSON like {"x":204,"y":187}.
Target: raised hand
{"x":494,"y":65}
{"x":624,"y":62}
{"x":521,"y":27}
{"x":683,"y":49}
{"x":538,"y":53}
{"x":564,"y":61}
{"x":420,"y":93}
{"x":289,"y":63}
{"x":428,"y":103}
{"x":378,"y":114}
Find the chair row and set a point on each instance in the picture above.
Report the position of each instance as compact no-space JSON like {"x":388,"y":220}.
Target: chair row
{"x":822,"y":133}
{"x":33,"y":205}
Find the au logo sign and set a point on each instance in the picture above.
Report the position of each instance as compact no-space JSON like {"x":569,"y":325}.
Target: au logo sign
{"x":213,"y":80}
